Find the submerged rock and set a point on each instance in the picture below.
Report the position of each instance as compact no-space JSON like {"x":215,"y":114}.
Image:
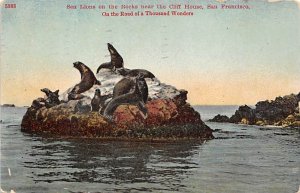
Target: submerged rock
{"x":169,"y":116}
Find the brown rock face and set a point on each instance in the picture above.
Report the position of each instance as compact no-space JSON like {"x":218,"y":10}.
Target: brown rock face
{"x":167,"y":119}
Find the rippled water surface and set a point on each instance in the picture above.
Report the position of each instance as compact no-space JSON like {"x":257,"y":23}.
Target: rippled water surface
{"x":240,"y":159}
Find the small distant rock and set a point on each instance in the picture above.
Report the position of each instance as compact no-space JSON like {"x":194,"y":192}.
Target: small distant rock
{"x":220,"y":119}
{"x":8,"y":105}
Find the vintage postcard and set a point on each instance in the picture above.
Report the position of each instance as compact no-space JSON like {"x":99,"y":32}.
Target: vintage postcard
{"x":150,"y":96}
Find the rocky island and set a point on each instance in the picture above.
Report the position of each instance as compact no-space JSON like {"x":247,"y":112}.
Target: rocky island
{"x":116,"y":103}
{"x":282,"y":111}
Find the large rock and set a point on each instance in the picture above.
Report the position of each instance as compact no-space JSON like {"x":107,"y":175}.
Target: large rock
{"x":278,"y":109}
{"x":169,"y":116}
{"x":283,"y":111}
{"x":244,"y":115}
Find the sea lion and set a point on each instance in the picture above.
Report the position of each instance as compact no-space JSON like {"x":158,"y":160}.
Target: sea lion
{"x":126,"y":85}
{"x":134,"y":97}
{"x":143,"y":88}
{"x":88,"y":79}
{"x":51,"y":98}
{"x":95,"y":103}
{"x":98,"y":101}
{"x":38,"y":103}
{"x":116,"y":60}
{"x":135,"y":72}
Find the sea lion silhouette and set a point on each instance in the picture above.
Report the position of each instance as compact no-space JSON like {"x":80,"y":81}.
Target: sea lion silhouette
{"x":51,"y":97}
{"x":116,"y":60}
{"x":135,"y":97}
{"x":98,"y":100}
{"x":88,"y":79}
{"x":135,"y":72}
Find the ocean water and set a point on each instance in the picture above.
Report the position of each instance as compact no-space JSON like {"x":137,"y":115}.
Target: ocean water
{"x":242,"y":159}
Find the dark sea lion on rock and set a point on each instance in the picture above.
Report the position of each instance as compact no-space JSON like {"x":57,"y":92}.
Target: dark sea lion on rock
{"x":135,"y":72}
{"x":95,"y":103}
{"x":98,"y":101}
{"x":38,"y":103}
{"x":126,"y":85}
{"x":116,"y":60}
{"x":52,"y":98}
{"x":88,"y":79}
{"x":143,"y":87}
{"x":48,"y":92}
{"x":145,"y":73}
{"x":135,"y":97}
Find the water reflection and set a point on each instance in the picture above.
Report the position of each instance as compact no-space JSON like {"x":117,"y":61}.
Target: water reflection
{"x":95,"y":161}
{"x":240,"y":159}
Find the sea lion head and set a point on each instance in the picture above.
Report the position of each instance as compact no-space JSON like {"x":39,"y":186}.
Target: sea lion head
{"x":46,"y":91}
{"x":49,"y":93}
{"x":78,"y":65}
{"x":111,"y":49}
{"x":81,"y":67}
{"x":98,"y":92}
{"x":116,"y":58}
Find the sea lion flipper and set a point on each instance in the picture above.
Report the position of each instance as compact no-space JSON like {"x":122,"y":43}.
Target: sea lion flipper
{"x":99,"y":68}
{"x":107,"y":65}
{"x":143,"y":109}
{"x":109,"y":118}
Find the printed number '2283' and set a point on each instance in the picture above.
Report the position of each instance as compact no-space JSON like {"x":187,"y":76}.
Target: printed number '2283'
{"x":10,"y":6}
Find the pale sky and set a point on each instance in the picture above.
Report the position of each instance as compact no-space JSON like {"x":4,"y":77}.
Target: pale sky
{"x":220,"y":56}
